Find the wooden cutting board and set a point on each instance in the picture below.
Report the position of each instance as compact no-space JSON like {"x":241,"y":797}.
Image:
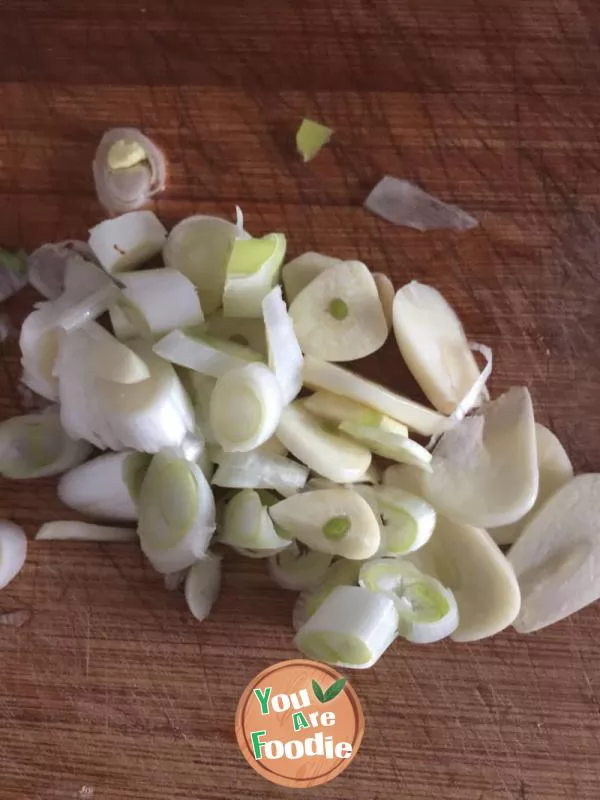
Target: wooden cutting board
{"x":112,"y":691}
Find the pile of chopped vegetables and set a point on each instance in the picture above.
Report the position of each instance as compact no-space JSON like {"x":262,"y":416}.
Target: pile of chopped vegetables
{"x":226,"y":420}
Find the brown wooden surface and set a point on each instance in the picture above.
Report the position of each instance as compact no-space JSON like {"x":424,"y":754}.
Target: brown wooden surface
{"x":112,"y":691}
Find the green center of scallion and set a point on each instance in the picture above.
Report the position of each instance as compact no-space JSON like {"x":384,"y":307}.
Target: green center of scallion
{"x":338,"y":309}
{"x":336,"y":528}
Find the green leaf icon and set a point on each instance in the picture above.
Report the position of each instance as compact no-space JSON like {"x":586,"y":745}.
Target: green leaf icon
{"x":334,"y":690}
{"x":318,"y":692}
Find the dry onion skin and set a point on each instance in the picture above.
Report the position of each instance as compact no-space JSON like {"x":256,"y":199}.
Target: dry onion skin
{"x":129,"y":169}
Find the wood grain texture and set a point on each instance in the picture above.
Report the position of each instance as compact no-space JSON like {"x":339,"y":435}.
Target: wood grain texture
{"x":112,"y":691}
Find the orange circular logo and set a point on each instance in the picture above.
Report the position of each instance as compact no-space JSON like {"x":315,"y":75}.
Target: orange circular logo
{"x":299,"y":723}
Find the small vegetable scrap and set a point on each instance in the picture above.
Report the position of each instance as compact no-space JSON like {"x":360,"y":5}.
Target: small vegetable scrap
{"x":129,"y":169}
{"x":402,"y":203}
{"x":227,"y":421}
{"x":311,"y":137}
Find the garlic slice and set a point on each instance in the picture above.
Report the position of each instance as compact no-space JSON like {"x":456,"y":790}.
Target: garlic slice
{"x":302,"y":270}
{"x":557,"y":557}
{"x":387,"y":293}
{"x":323,"y":375}
{"x":336,"y":521}
{"x":468,"y":562}
{"x":128,"y":169}
{"x":199,"y":247}
{"x":331,"y":455}
{"x":434,"y":346}
{"x":484,"y":471}
{"x":338,"y":316}
{"x":338,"y":409}
{"x":555,"y":470}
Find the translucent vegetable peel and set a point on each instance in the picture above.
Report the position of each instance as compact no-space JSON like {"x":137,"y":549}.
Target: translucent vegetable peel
{"x":402,"y":203}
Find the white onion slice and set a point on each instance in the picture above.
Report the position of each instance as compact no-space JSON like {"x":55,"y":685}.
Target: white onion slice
{"x":246,"y":523}
{"x":13,"y":551}
{"x":112,"y":360}
{"x":129,"y":188}
{"x":298,"y":569}
{"x":251,"y":272}
{"x":84,"y":532}
{"x":105,"y":487}
{"x":427,"y":610}
{"x":199,"y":247}
{"x":342,"y":572}
{"x":203,"y":354}
{"x":47,"y":266}
{"x":144,"y":416}
{"x":260,"y":470}
{"x":164,"y":298}
{"x":126,"y":242}
{"x":285,"y":355}
{"x":352,"y":629}
{"x":36,"y":446}
{"x":403,"y":203}
{"x":176,"y":513}
{"x":239,"y":330}
{"x":202,"y":585}
{"x":245,"y":408}
{"x":407,"y":521}
{"x":39,"y":349}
